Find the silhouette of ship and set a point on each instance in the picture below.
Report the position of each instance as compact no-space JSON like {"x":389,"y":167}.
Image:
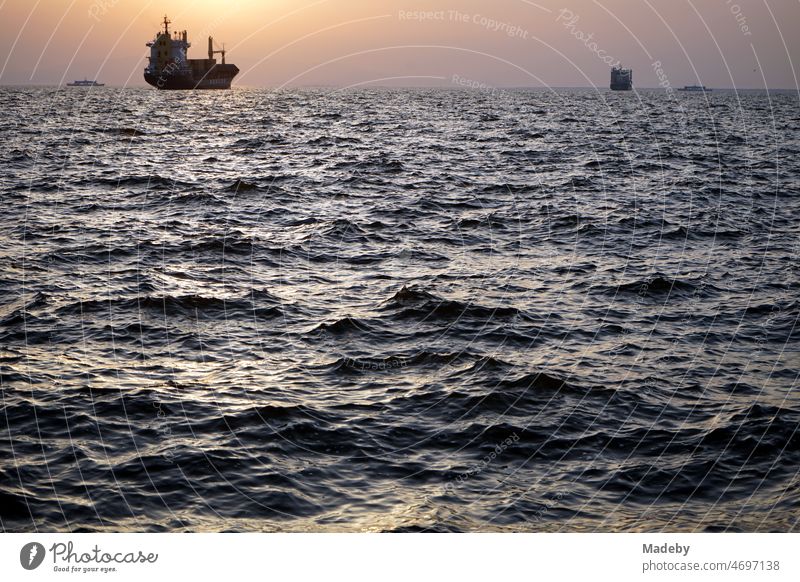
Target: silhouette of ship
{"x":85,"y":83}
{"x":696,"y":88}
{"x":169,"y":67}
{"x":621,"y":79}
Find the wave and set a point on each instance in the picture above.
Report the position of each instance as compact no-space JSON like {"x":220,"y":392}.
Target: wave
{"x":643,"y":222}
{"x":482,"y":392}
{"x":196,"y":198}
{"x":240,"y":185}
{"x":415,"y":303}
{"x":17,"y":312}
{"x":150,"y":182}
{"x":256,"y":304}
{"x":20,"y":155}
{"x":342,"y":326}
{"x":232,"y":242}
{"x":333,"y":140}
{"x":683,"y":233}
{"x":248,"y":142}
{"x":537,"y":380}
{"x":407,"y":295}
{"x":265,"y":414}
{"x":346,"y":230}
{"x":759,"y":431}
{"x":125,"y":131}
{"x":565,"y":221}
{"x":383,"y":163}
{"x":423,"y":359}
{"x":656,"y":285}
{"x":15,"y":506}
{"x":506,"y":188}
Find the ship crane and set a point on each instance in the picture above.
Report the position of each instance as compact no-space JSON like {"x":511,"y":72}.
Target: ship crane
{"x":212,"y":52}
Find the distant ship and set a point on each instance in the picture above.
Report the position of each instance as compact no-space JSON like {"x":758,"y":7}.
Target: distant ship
{"x":696,"y":88}
{"x":621,"y":79}
{"x":85,"y":83}
{"x":170,"y":68}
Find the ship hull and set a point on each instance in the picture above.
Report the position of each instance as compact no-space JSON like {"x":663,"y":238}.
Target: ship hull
{"x":218,"y":77}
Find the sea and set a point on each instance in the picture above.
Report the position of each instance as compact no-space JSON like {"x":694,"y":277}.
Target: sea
{"x":399,"y":310}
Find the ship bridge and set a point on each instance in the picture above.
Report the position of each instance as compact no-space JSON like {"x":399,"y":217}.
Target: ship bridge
{"x":168,"y":50}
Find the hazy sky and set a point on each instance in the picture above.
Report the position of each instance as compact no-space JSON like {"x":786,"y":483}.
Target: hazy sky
{"x":719,"y":43}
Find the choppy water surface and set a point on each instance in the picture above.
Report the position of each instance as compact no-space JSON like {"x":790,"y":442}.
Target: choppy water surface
{"x":399,"y":310}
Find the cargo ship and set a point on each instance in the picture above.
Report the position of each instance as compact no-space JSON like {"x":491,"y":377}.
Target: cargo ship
{"x":170,"y":68}
{"x":696,"y":89}
{"x":85,"y":83}
{"x":621,"y":79}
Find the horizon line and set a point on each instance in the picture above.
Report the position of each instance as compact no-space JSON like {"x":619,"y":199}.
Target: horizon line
{"x":485,"y":88}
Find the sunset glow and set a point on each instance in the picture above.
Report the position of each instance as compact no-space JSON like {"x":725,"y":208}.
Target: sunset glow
{"x":322,"y":42}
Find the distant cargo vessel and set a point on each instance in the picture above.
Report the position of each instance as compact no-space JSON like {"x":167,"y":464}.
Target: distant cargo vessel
{"x":621,"y":79}
{"x":170,"y":68}
{"x":696,"y":88}
{"x":85,"y":83}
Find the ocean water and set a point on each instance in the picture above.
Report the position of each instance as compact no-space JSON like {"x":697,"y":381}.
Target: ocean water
{"x":399,"y":310}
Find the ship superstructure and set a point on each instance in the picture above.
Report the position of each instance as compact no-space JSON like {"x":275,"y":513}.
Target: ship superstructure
{"x":170,"y":67}
{"x":621,"y":79}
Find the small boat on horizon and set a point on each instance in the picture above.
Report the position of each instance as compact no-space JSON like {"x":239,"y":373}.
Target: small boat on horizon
{"x":696,"y":88}
{"x":85,"y":83}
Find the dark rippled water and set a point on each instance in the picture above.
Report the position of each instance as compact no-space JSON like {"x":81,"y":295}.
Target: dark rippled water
{"x":399,"y":310}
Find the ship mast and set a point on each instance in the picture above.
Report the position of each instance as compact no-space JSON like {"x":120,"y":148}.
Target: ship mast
{"x":212,"y":52}
{"x":166,"y":24}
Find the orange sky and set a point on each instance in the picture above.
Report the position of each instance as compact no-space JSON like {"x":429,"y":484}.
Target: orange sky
{"x":719,"y":43}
